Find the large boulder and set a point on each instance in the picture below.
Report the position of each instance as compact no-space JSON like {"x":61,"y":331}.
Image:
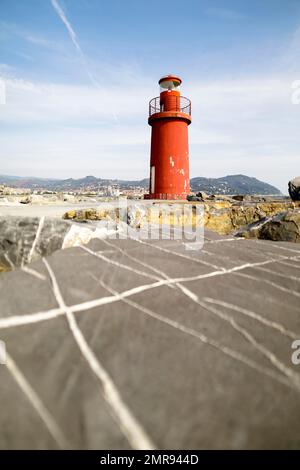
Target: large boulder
{"x":26,"y":239}
{"x":294,"y":189}
{"x":281,"y":227}
{"x":202,"y":195}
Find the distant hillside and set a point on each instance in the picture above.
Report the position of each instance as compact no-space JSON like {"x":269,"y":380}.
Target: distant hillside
{"x":67,"y":184}
{"x":232,"y":184}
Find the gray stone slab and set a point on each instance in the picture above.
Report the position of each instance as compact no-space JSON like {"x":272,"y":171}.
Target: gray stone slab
{"x":188,"y":394}
{"x":23,"y":292}
{"x":21,"y":427}
{"x":51,"y":362}
{"x":117,"y":354}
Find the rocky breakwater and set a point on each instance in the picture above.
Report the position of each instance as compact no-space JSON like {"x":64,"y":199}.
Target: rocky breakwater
{"x":225,"y":217}
{"x":138,"y":215}
{"x":223,"y":214}
{"x":8,"y":191}
{"x":13,"y":195}
{"x":16,"y":196}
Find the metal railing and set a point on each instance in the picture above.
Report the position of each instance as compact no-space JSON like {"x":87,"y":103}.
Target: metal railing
{"x":180,"y":104}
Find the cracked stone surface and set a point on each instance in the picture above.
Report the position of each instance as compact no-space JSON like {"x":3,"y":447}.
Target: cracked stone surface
{"x":144,"y":344}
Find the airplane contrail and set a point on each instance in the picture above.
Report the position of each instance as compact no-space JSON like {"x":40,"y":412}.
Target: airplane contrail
{"x":74,"y":39}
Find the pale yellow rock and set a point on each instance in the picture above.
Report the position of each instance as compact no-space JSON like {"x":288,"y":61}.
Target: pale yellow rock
{"x":4,"y":268}
{"x":223,"y":217}
{"x":70,"y":215}
{"x":227,"y":220}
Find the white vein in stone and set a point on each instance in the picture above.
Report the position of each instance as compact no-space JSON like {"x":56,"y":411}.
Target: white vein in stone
{"x":279,"y":247}
{"x":295,"y":378}
{"x":220,"y":240}
{"x":181,"y":255}
{"x":128,"y":424}
{"x":262,"y":349}
{"x":204,"y":339}
{"x":290,"y":265}
{"x":11,"y":264}
{"x":37,"y":236}
{"x":37,"y":404}
{"x":248,"y":313}
{"x":116,"y":263}
{"x":138,"y":261}
{"x":34,"y":273}
{"x":19,"y":320}
{"x":284,"y":276}
{"x":270,"y":283}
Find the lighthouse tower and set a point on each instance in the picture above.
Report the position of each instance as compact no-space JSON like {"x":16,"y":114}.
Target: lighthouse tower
{"x":169,"y":117}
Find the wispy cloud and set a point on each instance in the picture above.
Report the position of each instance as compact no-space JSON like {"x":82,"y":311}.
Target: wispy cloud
{"x":291,"y":57}
{"x":225,"y":13}
{"x":5,"y":70}
{"x":39,"y":41}
{"x":74,"y":39}
{"x":7,"y":30}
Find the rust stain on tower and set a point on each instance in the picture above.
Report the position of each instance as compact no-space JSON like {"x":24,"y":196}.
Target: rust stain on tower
{"x":169,"y":117}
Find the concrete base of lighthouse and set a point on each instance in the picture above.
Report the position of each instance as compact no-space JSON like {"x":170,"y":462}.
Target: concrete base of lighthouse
{"x":165,"y":196}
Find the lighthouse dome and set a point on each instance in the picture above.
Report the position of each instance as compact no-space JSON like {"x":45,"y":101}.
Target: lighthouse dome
{"x":169,"y":82}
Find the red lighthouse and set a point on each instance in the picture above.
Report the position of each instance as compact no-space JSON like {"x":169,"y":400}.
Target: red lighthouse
{"x":169,"y":117}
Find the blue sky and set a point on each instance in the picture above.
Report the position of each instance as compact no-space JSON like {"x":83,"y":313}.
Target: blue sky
{"x":79,"y":74}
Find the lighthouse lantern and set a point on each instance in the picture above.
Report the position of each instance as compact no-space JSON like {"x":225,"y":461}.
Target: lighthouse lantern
{"x":169,"y":82}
